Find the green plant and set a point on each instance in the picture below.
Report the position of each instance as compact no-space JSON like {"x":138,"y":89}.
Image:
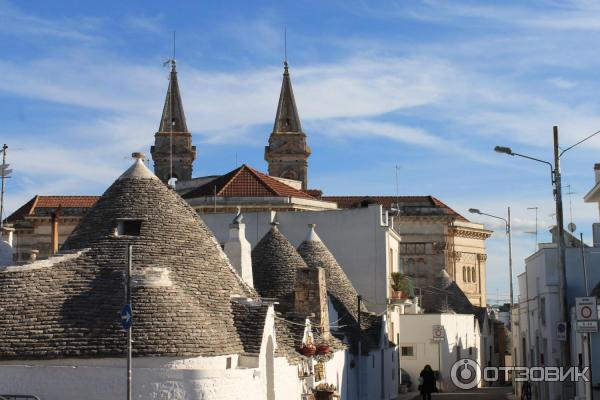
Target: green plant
{"x":399,"y":282}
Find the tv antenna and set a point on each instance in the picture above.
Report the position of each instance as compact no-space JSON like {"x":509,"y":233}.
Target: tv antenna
{"x":536,"y":208}
{"x":5,"y":174}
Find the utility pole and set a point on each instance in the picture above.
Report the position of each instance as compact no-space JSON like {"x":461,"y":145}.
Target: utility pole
{"x":590,"y":384}
{"x":358,"y":386}
{"x":129,"y":262}
{"x":5,"y":174}
{"x":565,"y":345}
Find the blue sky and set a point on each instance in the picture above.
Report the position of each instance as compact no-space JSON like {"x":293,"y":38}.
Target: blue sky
{"x":430,"y":86}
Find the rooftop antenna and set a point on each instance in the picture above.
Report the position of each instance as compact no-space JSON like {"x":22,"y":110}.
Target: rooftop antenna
{"x":397,"y":168}
{"x":285,"y":44}
{"x":571,"y":225}
{"x":536,"y":208}
{"x":172,"y":63}
{"x":4,"y":173}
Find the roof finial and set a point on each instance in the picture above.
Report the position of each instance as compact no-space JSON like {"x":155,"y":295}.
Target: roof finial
{"x":285,"y":60}
{"x":238,"y":216}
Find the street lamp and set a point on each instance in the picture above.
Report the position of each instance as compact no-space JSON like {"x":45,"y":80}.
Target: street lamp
{"x":508,"y":232}
{"x":556,"y":182}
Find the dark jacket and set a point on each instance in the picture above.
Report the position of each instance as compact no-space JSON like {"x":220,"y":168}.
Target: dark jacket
{"x":428,"y":385}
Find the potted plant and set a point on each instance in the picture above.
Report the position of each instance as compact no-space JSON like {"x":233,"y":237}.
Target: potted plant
{"x":399,"y":286}
{"x":323,"y":348}
{"x":308,"y":350}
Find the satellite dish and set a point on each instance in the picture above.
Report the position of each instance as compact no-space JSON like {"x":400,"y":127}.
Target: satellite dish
{"x":572,"y":227}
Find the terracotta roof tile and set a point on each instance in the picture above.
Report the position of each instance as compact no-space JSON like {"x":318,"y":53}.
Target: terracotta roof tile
{"x":408,"y":204}
{"x":52,"y":202}
{"x":247,"y":182}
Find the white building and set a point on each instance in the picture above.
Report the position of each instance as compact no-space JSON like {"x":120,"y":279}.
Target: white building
{"x":362,"y":240}
{"x":461,"y":339}
{"x":535,"y":337}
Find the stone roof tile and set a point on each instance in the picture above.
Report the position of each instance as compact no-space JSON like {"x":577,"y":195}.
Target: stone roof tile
{"x":71,"y":308}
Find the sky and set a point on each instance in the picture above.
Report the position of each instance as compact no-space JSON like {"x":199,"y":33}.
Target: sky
{"x":428,"y":86}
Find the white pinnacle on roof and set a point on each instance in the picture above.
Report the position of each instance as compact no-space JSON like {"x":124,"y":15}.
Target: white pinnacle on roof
{"x":138,"y":170}
{"x":312,"y":234}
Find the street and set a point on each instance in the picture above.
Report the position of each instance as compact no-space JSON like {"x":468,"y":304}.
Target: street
{"x":493,"y":393}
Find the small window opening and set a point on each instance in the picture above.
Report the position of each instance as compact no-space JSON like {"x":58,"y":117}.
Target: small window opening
{"x":129,"y":227}
{"x":228,"y":363}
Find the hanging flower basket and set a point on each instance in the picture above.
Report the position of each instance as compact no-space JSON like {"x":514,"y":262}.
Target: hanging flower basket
{"x":308,"y":350}
{"x":324,"y":348}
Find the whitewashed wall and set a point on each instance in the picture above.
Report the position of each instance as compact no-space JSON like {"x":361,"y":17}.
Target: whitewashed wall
{"x":461,"y":330}
{"x":154,"y":378}
{"x":359,"y":239}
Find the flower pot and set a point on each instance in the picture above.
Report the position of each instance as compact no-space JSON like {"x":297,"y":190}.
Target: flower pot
{"x":308,"y":350}
{"x":323,"y":349}
{"x":398,"y":294}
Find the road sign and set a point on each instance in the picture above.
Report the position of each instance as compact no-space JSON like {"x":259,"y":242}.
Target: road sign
{"x":587,"y":326}
{"x":586,"y":308}
{"x":561,"y":331}
{"x":438,"y":332}
{"x":126,"y":317}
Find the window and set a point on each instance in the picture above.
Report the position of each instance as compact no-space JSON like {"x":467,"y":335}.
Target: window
{"x":473,"y":275}
{"x":543,"y":310}
{"x":464,"y":274}
{"x":407,"y":351}
{"x":228,"y":363}
{"x":129,"y":227}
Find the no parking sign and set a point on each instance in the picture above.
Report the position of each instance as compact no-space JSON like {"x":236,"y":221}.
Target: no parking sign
{"x":587,"y":314}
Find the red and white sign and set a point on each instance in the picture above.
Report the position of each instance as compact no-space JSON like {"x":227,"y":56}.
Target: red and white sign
{"x":586,"y":308}
{"x":438,"y":332}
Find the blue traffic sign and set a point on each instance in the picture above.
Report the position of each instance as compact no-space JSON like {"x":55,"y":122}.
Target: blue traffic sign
{"x":126,"y":317}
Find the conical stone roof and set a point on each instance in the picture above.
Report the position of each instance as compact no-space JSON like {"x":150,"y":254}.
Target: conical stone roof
{"x":317,"y":255}
{"x":342,"y":294}
{"x":69,"y":306}
{"x":445,"y":296}
{"x":274,"y":265}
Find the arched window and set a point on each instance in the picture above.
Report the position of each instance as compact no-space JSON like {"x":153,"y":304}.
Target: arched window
{"x":473,"y":277}
{"x":464,"y":274}
{"x":411,"y":267}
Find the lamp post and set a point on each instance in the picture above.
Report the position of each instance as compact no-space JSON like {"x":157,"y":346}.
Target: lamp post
{"x":556,"y":182}
{"x":508,"y":233}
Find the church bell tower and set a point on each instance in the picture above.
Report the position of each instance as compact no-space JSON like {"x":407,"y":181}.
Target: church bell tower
{"x":173,"y":153}
{"x":287,"y":153}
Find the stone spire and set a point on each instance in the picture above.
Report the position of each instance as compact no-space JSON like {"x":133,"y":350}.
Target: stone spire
{"x":287,"y":118}
{"x":173,"y":153}
{"x":287,"y":153}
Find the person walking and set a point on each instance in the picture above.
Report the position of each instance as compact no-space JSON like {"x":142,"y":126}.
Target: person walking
{"x":427,"y":382}
{"x":526,"y":391}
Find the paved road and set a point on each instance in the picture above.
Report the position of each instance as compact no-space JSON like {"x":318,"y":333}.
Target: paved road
{"x":494,"y":393}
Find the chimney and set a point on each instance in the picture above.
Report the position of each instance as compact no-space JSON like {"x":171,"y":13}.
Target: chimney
{"x":238,"y":249}
{"x":6,"y":246}
{"x":33,"y":255}
{"x":7,"y":234}
{"x":55,"y":219}
{"x":310,"y":297}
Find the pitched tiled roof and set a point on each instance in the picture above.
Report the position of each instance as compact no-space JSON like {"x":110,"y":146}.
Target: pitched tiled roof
{"x":409,"y":205}
{"x":274,"y":265}
{"x":40,"y":205}
{"x":246,"y":182}
{"x":70,"y":307}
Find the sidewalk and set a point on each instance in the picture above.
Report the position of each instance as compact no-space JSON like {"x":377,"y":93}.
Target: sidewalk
{"x":408,"y":396}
